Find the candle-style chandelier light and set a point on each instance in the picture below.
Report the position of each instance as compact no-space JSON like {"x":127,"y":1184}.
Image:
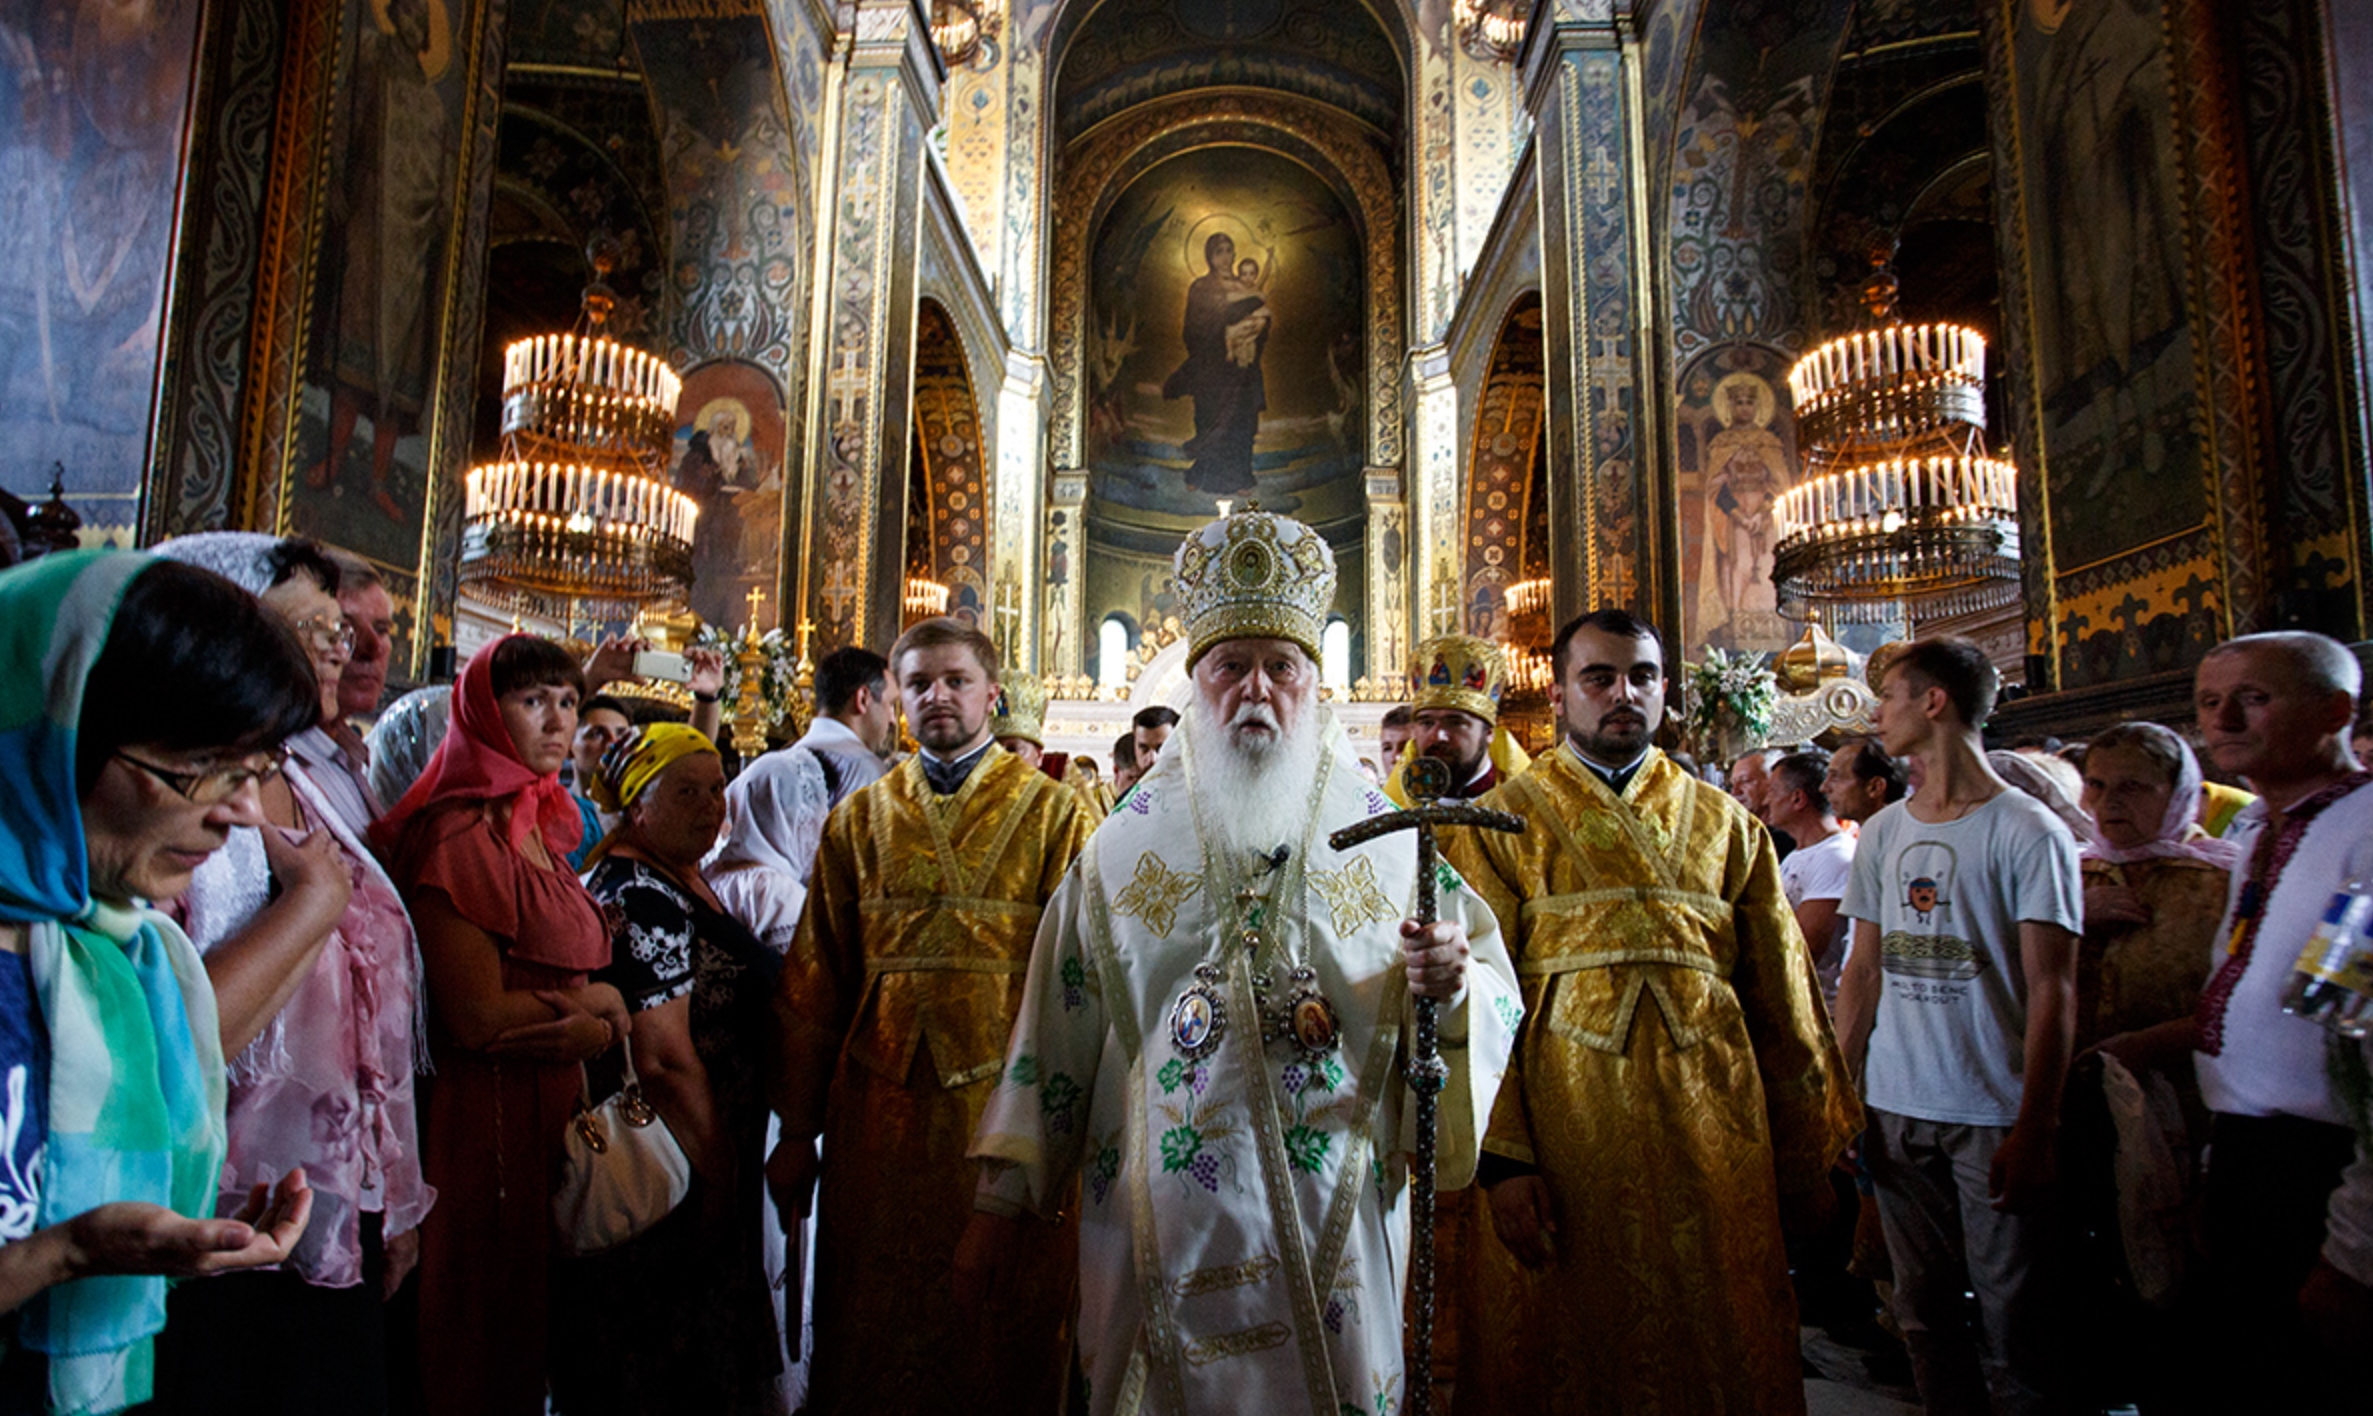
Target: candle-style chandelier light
{"x":1901,"y":510}
{"x":576,"y":515}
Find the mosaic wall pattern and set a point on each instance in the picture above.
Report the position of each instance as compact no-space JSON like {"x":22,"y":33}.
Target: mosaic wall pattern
{"x":1743,"y":156}
{"x":947,"y":514}
{"x":1506,"y":533}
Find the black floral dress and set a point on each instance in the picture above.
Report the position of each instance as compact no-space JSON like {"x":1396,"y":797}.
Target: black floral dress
{"x":680,"y":1319}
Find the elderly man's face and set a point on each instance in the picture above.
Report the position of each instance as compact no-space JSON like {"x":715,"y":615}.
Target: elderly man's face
{"x":1750,"y":782}
{"x":2260,"y":719}
{"x":370,"y":612}
{"x":1259,"y":690}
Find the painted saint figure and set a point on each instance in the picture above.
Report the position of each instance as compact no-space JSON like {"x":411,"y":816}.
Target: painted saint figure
{"x":1747,"y":469}
{"x":1226,"y":331}
{"x":390,"y":209}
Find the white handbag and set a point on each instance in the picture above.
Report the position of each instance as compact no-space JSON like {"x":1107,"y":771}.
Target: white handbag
{"x":621,"y":1170}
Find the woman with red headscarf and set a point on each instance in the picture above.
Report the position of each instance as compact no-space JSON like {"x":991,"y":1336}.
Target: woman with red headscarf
{"x":507,"y":938}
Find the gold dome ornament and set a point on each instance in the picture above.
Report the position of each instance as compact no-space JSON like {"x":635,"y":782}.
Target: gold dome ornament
{"x":1812,"y":661}
{"x":1021,"y":709}
{"x":1459,"y":671}
{"x":1254,"y":575}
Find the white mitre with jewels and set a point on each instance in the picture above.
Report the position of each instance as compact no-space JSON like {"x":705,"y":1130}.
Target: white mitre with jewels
{"x":1254,"y":575}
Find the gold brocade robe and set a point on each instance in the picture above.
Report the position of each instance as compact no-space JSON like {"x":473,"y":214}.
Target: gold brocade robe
{"x":1676,"y":1074}
{"x":894,"y":1006}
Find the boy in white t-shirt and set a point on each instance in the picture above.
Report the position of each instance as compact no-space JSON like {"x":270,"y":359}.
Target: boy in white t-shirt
{"x":1957,"y":1010}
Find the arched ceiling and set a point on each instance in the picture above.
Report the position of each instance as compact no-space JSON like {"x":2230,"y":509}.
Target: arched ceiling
{"x":1126,"y":52}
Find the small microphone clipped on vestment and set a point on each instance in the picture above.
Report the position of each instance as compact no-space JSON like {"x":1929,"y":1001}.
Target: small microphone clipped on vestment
{"x":1274,"y":861}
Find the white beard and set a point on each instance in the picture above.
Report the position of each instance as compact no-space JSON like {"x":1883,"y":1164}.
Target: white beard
{"x":1253,"y":798}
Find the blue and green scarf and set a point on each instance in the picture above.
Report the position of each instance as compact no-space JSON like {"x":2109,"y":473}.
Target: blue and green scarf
{"x":136,"y":1069}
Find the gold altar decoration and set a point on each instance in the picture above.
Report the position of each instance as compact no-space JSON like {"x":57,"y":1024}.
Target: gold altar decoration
{"x":1901,"y":509}
{"x":575,"y":517}
{"x":1821,"y":698}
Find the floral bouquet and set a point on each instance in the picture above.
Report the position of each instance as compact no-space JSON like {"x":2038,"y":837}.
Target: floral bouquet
{"x":778,"y":669}
{"x":1731,"y":697}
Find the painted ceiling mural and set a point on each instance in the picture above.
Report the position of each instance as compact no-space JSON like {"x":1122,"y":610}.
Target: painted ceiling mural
{"x":1128,"y":51}
{"x":1225,"y":357}
{"x":1743,"y":157}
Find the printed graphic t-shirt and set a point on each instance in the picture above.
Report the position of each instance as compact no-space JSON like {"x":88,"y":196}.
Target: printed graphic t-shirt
{"x":1948,"y":897}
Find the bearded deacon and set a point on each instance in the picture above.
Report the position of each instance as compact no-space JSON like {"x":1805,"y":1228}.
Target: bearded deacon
{"x":1212,"y":1034}
{"x":1677,"y":1098}
{"x":1455,"y":683}
{"x":894,"y":1007}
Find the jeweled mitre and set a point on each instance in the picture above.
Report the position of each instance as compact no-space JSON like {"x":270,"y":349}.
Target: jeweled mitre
{"x":1254,"y":575}
{"x":1458,"y":671}
{"x":1021,"y":708}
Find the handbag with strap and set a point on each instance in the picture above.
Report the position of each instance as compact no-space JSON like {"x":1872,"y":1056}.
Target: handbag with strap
{"x":621,"y":1169}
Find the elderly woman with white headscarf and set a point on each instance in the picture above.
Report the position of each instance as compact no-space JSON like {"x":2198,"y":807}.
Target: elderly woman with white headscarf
{"x":2155,"y":884}
{"x":318,"y":979}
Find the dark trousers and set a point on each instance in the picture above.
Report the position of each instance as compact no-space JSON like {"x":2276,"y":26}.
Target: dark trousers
{"x":2270,"y":1179}
{"x":260,"y":1344}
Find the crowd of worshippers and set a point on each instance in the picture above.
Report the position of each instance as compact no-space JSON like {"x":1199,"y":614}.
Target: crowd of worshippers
{"x":997,"y":1094}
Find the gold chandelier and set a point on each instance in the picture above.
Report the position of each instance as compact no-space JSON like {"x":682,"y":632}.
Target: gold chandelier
{"x":1902,"y":510}
{"x":1491,"y":29}
{"x":576,"y":514}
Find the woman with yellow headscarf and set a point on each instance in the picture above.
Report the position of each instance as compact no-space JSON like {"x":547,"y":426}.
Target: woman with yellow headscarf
{"x":680,"y":1317}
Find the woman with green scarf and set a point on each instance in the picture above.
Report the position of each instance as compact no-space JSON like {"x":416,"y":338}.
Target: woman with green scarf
{"x":140,"y":704}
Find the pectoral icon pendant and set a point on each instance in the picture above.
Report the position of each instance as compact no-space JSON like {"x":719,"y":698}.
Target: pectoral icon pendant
{"x":1199,"y":1019}
{"x":1306,"y":1020}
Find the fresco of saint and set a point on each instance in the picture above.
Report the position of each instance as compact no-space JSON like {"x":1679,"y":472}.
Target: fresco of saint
{"x":1226,"y":331}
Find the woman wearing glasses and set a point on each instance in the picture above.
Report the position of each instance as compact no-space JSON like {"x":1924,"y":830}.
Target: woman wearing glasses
{"x":141,"y":704}
{"x":317,"y":978}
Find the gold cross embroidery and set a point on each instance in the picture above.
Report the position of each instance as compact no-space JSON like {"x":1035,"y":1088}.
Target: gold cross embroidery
{"x":1154,"y":894}
{"x":1352,"y":896}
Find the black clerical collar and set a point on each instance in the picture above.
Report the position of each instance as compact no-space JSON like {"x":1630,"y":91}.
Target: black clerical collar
{"x":947,"y":776}
{"x":1616,"y":778}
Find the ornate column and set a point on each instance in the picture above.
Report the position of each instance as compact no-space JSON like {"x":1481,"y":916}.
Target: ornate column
{"x":1066,"y":573}
{"x":888,"y":100}
{"x":1606,"y":521}
{"x":1433,"y":454}
{"x":1015,"y":549}
{"x":1389,"y":554}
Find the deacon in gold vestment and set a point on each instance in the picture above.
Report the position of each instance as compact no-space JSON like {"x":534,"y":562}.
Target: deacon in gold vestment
{"x":894,"y":1006}
{"x":1677,"y":1088}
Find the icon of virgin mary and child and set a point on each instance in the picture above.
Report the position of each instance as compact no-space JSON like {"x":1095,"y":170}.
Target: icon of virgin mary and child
{"x":1227,"y":328}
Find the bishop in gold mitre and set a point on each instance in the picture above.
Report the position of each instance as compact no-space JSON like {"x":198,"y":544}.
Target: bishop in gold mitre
{"x":1677,"y":1098}
{"x":894,"y":1005}
{"x":1455,"y":683}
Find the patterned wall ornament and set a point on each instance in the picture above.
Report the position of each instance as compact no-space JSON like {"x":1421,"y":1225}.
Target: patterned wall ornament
{"x":1743,"y":155}
{"x":1506,"y":532}
{"x":214,"y":291}
{"x":876,"y":219}
{"x":1589,"y":286}
{"x":947,"y":528}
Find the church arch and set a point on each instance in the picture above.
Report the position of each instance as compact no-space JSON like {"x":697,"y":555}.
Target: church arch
{"x":948,"y":504}
{"x":1505,"y":526}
